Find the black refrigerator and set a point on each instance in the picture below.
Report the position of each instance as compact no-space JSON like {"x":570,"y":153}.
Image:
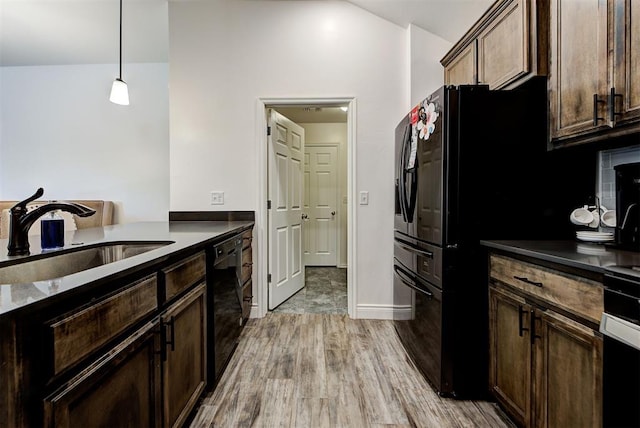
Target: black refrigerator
{"x":471,"y":164}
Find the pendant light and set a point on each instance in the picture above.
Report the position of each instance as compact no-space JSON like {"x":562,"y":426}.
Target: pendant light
{"x":119,"y":90}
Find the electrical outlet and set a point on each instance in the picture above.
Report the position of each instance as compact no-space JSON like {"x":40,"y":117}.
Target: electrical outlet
{"x":364,"y":197}
{"x":217,"y":198}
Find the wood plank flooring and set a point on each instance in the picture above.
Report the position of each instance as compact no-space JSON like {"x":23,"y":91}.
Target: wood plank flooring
{"x":326,"y":370}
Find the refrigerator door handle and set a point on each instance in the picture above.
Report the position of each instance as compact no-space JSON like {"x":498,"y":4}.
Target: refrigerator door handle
{"x":408,"y":201}
{"x":409,"y":246}
{"x":401,"y":178}
{"x":411,"y":206}
{"x":400,"y":272}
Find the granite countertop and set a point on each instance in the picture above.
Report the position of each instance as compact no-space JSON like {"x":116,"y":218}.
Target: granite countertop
{"x":182,"y":235}
{"x":581,"y":255}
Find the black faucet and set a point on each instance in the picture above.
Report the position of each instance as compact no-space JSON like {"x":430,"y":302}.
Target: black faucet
{"x":21,"y":221}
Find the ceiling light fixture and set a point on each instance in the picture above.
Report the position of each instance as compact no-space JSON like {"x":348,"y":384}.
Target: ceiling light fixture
{"x":119,"y":90}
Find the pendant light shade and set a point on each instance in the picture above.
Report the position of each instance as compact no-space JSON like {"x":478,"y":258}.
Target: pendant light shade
{"x":119,"y":90}
{"x":119,"y":93}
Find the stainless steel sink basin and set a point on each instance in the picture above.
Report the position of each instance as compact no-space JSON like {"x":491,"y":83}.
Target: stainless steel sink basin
{"x":66,"y":262}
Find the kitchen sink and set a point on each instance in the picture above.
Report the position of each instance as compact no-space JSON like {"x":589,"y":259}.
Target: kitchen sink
{"x":66,"y":262}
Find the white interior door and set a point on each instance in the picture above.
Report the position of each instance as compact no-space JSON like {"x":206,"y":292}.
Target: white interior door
{"x":285,"y":170}
{"x":321,"y":200}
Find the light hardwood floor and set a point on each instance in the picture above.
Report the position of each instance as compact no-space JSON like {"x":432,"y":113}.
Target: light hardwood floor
{"x":320,"y":370}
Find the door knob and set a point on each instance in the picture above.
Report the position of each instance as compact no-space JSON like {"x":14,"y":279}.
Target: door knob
{"x":333,"y":213}
{"x":304,"y":216}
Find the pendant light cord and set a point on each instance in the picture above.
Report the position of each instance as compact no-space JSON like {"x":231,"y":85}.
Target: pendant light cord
{"x":120,"y":77}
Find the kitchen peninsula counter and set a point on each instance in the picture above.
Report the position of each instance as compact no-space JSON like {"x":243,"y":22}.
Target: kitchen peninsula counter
{"x":181,"y":236}
{"x":126,"y":342}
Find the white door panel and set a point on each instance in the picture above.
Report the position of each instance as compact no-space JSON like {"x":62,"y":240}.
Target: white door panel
{"x":321,"y":197}
{"x":285,"y":170}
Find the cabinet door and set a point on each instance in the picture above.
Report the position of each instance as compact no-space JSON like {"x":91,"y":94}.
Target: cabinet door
{"x":119,"y":390}
{"x":503,"y":47}
{"x":462,"y":70}
{"x":568,"y":373}
{"x":510,"y":353}
{"x":578,"y":67}
{"x":184,"y":366}
{"x":626,"y":45}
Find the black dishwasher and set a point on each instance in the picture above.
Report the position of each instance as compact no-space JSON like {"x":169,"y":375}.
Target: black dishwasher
{"x":227,"y":303}
{"x":621,"y":326}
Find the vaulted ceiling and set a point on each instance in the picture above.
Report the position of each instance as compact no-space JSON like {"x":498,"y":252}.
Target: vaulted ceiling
{"x":58,"y":32}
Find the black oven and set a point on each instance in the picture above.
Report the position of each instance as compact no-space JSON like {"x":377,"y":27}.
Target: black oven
{"x":620,"y":326}
{"x":226,"y":317}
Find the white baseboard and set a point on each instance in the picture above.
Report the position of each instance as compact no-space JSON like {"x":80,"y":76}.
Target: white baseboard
{"x":255,"y":313}
{"x":383,"y":312}
{"x":372,"y":312}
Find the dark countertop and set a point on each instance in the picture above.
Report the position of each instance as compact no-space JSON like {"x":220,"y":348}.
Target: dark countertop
{"x":581,"y":255}
{"x":183,"y":234}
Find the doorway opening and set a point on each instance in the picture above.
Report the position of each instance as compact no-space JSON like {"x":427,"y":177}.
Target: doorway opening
{"x":326,"y":212}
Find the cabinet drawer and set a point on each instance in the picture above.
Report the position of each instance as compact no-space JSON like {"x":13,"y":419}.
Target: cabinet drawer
{"x":78,"y":334}
{"x":247,"y":265}
{"x":247,"y":237}
{"x":581,"y":296}
{"x":184,"y":274}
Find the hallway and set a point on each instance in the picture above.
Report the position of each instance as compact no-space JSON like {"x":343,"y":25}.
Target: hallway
{"x":325,"y":292}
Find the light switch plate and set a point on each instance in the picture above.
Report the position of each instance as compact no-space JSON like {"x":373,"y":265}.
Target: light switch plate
{"x":364,"y":197}
{"x":217,"y":198}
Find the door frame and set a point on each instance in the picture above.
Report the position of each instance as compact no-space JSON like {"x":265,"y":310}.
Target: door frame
{"x":260,"y":230}
{"x":339,"y":179}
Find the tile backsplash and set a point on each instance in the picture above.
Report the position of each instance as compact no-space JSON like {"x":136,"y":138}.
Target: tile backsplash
{"x":606,"y":183}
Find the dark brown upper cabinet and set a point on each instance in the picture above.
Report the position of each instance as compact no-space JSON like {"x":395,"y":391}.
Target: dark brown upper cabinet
{"x":594,"y":72}
{"x":504,"y":48}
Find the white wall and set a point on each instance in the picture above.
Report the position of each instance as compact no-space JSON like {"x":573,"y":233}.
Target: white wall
{"x":59,"y":131}
{"x":318,"y":133}
{"x":427,"y":74}
{"x":225,"y":55}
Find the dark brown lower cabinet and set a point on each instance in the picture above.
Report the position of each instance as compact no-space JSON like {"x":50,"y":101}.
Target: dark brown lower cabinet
{"x":545,"y":369}
{"x":121,"y":389}
{"x":185,"y":366}
{"x":510,"y":365}
{"x":568,"y":373}
{"x":153,"y":378}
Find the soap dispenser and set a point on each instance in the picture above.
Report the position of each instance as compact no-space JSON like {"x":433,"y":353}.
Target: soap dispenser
{"x":52,"y":231}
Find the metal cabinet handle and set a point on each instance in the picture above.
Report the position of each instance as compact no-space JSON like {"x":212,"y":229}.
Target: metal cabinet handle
{"x":304,"y":216}
{"x":596,"y":101}
{"x":528,"y":281}
{"x":171,"y":341}
{"x":534,"y":318}
{"x":612,"y":104}
{"x":521,"y":328}
{"x":333,"y":213}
